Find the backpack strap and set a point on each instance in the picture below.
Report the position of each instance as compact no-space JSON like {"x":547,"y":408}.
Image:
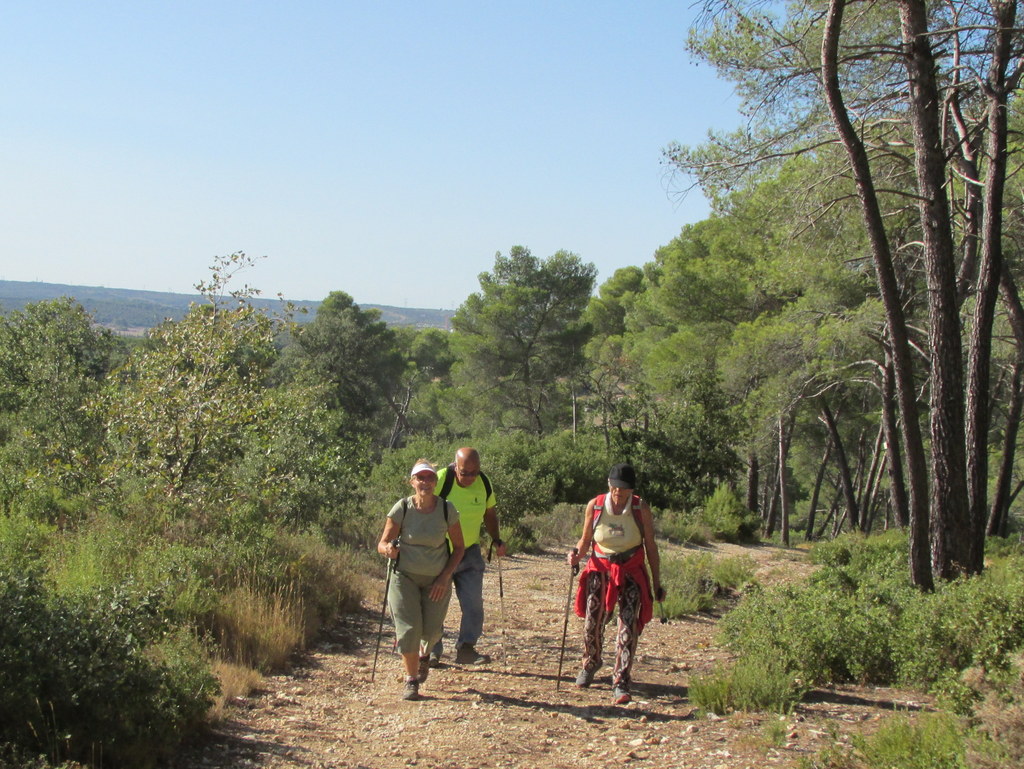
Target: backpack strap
{"x":598,"y":509}
{"x":449,"y":479}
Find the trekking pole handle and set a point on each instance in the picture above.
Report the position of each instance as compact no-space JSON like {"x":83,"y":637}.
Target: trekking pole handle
{"x":576,"y":566}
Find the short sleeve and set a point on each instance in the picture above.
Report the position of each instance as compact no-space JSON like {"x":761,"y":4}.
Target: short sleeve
{"x":397,"y":512}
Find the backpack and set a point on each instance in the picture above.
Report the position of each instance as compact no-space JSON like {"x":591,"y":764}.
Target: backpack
{"x":449,"y":480}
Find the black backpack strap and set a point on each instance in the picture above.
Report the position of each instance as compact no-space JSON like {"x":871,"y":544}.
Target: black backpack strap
{"x":449,"y":479}
{"x":487,"y":486}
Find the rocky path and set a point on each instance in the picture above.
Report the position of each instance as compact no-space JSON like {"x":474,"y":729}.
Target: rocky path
{"x":510,"y":713}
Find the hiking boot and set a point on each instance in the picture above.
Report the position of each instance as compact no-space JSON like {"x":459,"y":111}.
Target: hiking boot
{"x":423,"y":670}
{"x":621,"y":694}
{"x":434,"y":660}
{"x":467,"y":655}
{"x":412,"y":689}
{"x":585,"y":677}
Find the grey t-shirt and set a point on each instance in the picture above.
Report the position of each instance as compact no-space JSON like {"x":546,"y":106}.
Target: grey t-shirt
{"x":424,"y":548}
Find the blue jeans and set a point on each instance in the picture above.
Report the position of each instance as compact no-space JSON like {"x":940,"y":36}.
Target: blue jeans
{"x":469,"y":589}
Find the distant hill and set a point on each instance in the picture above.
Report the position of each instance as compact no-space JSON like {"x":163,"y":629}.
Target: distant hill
{"x":131,"y":312}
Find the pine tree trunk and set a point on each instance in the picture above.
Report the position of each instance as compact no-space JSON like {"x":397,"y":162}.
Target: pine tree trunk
{"x":913,"y":442}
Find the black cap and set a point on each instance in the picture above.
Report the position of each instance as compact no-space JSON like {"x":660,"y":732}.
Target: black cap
{"x":622,"y":476}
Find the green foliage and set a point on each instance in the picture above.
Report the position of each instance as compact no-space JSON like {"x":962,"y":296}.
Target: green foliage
{"x":80,"y":679}
{"x":932,"y":741}
{"x":728,"y":518}
{"x":746,"y":685}
{"x":823,"y":633}
{"x":52,"y":360}
{"x":682,"y":448}
{"x":970,"y":622}
{"x":859,"y":619}
{"x":733,"y":573}
{"x":23,"y":543}
{"x":557,"y":528}
{"x":353,"y":356}
{"x":694,"y":583}
{"x":520,"y":340}
{"x":681,"y":527}
{"x":180,"y":410}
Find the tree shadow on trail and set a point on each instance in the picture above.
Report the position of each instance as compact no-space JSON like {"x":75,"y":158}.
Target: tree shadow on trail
{"x":585,"y":712}
{"x":833,"y":697}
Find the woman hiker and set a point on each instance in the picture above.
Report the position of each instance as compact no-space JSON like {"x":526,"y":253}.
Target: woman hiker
{"x":619,"y":527}
{"x":421,"y":586}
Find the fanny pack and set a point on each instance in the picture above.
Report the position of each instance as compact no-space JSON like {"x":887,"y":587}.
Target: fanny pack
{"x":618,"y":558}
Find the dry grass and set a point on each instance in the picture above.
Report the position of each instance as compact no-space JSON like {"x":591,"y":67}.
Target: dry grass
{"x":236,"y":681}
{"x":260,"y":628}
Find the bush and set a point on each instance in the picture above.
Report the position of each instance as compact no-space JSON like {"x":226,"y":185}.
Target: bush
{"x":747,"y":685}
{"x":971,"y":622}
{"x":558,"y":528}
{"x":933,"y":741}
{"x":681,"y":528}
{"x":23,"y":542}
{"x":728,"y":519}
{"x":101,"y":678}
{"x":694,"y":583}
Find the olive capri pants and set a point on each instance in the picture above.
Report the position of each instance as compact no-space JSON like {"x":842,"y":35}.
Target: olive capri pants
{"x":419,"y":622}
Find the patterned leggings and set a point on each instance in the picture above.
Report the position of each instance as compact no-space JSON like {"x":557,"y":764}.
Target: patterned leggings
{"x":597,"y":617}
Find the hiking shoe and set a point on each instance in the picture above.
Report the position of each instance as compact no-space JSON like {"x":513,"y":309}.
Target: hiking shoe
{"x":423,"y":670}
{"x":467,"y":655}
{"x":434,"y":660}
{"x":621,"y":695}
{"x":412,"y":689}
{"x":585,"y":677}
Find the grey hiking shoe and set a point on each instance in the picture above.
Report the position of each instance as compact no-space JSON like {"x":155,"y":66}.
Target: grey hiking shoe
{"x":435,"y":660}
{"x":468,"y":655}
{"x":411,"y":690}
{"x":621,"y":694}
{"x":423,"y":670}
{"x":585,"y":677}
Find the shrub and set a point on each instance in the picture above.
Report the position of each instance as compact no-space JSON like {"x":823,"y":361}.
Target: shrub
{"x":976,"y":621}
{"x":733,"y":573}
{"x":728,"y":519}
{"x":998,"y":740}
{"x":102,"y":677}
{"x":824,"y":635}
{"x":23,"y":542}
{"x":933,"y":741}
{"x":681,"y":528}
{"x":694,"y":582}
{"x":749,"y":684}
{"x":558,"y":528}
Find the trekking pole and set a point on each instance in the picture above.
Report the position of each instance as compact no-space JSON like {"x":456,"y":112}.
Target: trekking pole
{"x":565,"y":625}
{"x":380,"y":628}
{"x":501,"y":598}
{"x":661,"y":606}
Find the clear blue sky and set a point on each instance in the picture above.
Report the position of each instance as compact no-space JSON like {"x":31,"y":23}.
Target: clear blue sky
{"x":385,"y":149}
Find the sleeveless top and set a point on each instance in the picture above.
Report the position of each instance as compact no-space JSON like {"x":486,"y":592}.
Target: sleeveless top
{"x":617,"y":533}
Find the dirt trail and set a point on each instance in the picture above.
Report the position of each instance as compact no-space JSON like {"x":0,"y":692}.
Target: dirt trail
{"x":327,"y":713}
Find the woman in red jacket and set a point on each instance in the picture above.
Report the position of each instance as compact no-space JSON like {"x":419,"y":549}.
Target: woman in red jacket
{"x":619,"y":527}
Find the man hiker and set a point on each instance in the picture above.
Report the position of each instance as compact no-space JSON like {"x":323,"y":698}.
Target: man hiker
{"x":463,"y":484}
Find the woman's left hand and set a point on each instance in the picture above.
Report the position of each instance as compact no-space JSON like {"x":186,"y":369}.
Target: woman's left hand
{"x":440,"y":588}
